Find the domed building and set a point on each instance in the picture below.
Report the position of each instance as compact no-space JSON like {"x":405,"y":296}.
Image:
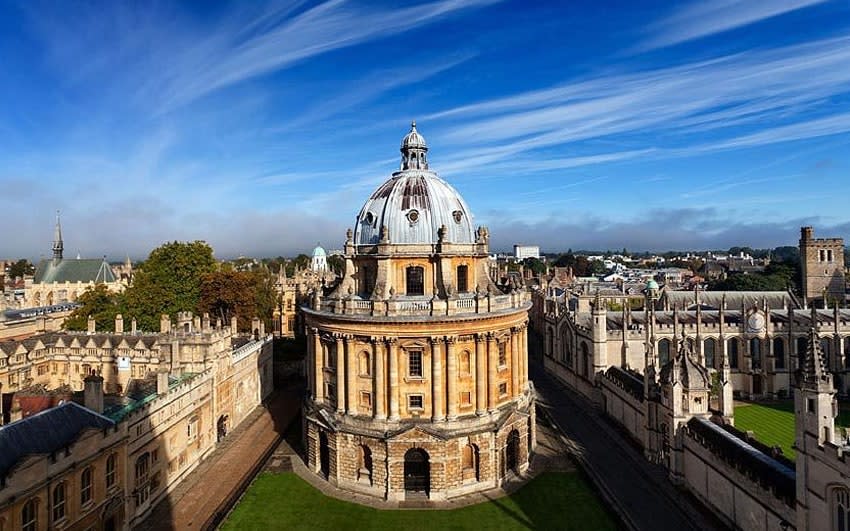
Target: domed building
{"x":319,"y":260}
{"x":418,"y":362}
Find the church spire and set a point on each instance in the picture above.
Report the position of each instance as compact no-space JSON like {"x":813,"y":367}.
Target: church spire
{"x":58,"y":246}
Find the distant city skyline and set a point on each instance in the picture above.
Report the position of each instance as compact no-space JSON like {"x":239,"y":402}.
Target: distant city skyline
{"x":262,"y":128}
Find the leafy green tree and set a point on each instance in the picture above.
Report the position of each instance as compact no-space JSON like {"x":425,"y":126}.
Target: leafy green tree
{"x":536,"y":266}
{"x":169,"y":281}
{"x":21,"y":268}
{"x":302,"y":261}
{"x":336,"y":263}
{"x":265,"y":295}
{"x":101,"y":304}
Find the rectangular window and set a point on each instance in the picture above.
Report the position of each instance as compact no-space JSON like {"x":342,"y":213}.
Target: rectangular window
{"x":365,"y":399}
{"x":59,"y":502}
{"x":503,"y":358}
{"x":415,"y":281}
{"x":368,"y":280}
{"x":414,"y":364}
{"x":810,"y":405}
{"x":503,"y":389}
{"x":465,"y":398}
{"x":415,"y":402}
{"x":462,"y":278}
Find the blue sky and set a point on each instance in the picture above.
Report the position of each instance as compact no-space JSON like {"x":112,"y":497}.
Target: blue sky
{"x":262,"y":127}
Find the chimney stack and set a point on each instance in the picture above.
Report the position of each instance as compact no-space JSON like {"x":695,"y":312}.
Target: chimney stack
{"x":133,"y":326}
{"x":205,"y":323}
{"x":196,"y":323}
{"x":165,"y":324}
{"x":162,"y":382}
{"x":255,"y":327}
{"x":119,"y":324}
{"x":93,"y":394}
{"x":91,"y":325}
{"x":233,"y":327}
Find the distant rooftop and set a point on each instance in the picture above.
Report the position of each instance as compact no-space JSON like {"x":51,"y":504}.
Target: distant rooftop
{"x":73,"y":270}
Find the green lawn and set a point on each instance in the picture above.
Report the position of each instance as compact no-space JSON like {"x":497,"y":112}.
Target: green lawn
{"x":773,"y":422}
{"x":553,"y":500}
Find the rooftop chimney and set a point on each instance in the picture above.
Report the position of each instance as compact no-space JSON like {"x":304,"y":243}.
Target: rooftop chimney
{"x":119,"y":324}
{"x":91,"y":325}
{"x":165,"y":324}
{"x":133,"y":326}
{"x":233,"y":325}
{"x":93,"y":394}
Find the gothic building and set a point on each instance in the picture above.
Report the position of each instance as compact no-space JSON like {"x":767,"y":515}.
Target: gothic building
{"x":418,"y":367}
{"x":59,"y":280}
{"x":822,"y":262}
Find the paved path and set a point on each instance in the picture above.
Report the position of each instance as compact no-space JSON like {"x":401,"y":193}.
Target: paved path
{"x":209,"y":488}
{"x":639,"y":491}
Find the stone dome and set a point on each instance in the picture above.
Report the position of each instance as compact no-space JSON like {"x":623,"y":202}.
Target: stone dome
{"x":413,"y":139}
{"x":413,"y":204}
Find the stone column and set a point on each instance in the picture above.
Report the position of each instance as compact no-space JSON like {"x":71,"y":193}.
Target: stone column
{"x":437,"y":390}
{"x":352,"y":368}
{"x":523,"y":352}
{"x":392,"y":362}
{"x":339,"y":372}
{"x":451,"y":379}
{"x":480,"y":375}
{"x":379,"y":403}
{"x":492,"y":364}
{"x":318,"y":364}
{"x":515,"y":361}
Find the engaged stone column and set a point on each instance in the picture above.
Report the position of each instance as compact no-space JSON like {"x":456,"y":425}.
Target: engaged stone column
{"x":379,"y":406}
{"x":437,"y":391}
{"x":318,"y":365}
{"x":451,"y":383}
{"x":516,"y":361}
{"x":339,"y":372}
{"x":352,"y":368}
{"x":480,"y":375}
{"x":492,"y":364}
{"x":392,"y":361}
{"x":524,"y":353}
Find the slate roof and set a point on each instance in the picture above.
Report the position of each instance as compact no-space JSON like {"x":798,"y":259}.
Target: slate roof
{"x":776,"y":300}
{"x":46,"y":432}
{"x":73,"y":270}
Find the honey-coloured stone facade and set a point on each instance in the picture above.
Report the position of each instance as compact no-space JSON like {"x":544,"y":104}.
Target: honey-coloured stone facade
{"x":418,"y":362}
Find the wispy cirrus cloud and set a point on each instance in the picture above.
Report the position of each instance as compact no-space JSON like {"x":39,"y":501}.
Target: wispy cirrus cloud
{"x":744,"y":100}
{"x":704,"y":18}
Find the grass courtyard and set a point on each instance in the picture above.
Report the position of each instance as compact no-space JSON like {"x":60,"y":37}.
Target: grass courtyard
{"x":554,"y":500}
{"x":773,"y":422}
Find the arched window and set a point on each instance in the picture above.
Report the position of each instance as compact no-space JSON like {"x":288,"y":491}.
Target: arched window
{"x":469,"y":465}
{"x":29,"y":515}
{"x":663,"y":352}
{"x":826,"y":348}
{"x":585,"y":359}
{"x":755,"y":352}
{"x":365,"y":362}
{"x":779,"y":352}
{"x":709,"y":348}
{"x":465,"y":362}
{"x":111,"y":463}
{"x":364,"y":472}
{"x":841,"y":509}
{"x":58,"y":502}
{"x":732,"y":352}
{"x":802,"y":345}
{"x":462,"y":278}
{"x":85,"y":486}
{"x":142,"y":469}
{"x":415,"y":280}
{"x":368,"y":280}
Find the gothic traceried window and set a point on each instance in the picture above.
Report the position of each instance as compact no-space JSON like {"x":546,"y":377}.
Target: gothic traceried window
{"x":779,"y":352}
{"x":732,"y":352}
{"x":841,"y":509}
{"x":663,"y":352}
{"x":709,"y":348}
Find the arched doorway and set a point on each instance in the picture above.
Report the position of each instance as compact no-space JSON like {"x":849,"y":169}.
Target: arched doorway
{"x":221,"y":427}
{"x":324,"y":455}
{"x":512,"y":452}
{"x":417,"y":471}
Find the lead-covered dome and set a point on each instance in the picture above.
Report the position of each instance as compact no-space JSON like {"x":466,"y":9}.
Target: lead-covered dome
{"x":414,"y":204}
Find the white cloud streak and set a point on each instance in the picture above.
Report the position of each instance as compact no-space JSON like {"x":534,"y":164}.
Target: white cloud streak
{"x":705,"y":18}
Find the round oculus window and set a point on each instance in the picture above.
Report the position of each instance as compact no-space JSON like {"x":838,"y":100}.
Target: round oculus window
{"x":458,"y":215}
{"x":370,"y":218}
{"x":413,"y":216}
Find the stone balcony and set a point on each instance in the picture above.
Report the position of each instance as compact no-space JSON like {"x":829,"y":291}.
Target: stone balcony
{"x":404,"y":306}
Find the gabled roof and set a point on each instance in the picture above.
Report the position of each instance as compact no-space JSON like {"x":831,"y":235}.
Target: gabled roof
{"x":78,"y":270}
{"x":46,"y":432}
{"x":776,"y":300}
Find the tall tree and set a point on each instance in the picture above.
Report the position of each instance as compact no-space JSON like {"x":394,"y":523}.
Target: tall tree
{"x":169,"y":281}
{"x":225,"y":294}
{"x":21,"y":268}
{"x":101,"y":304}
